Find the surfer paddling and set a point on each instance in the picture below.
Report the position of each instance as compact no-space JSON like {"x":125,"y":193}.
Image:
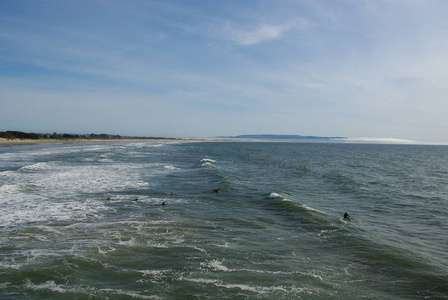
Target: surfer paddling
{"x":346,"y":216}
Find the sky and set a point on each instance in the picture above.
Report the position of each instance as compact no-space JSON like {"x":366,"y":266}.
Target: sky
{"x":370,"y":69}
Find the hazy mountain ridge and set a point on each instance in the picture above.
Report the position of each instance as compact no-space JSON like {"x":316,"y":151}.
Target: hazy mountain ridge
{"x":281,"y":137}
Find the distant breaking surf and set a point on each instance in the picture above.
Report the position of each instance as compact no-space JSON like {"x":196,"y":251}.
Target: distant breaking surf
{"x":275,"y":137}
{"x":380,"y":141}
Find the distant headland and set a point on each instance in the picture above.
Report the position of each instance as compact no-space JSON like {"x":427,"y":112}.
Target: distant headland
{"x":279,"y":137}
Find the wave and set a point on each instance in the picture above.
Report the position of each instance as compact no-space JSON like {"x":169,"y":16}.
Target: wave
{"x":275,"y":195}
{"x":169,"y":167}
{"x":38,"y":166}
{"x":51,"y":288}
{"x":208,"y":162}
{"x":17,"y":188}
{"x":294,"y":204}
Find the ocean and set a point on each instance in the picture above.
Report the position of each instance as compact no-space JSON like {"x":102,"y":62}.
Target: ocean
{"x":275,"y":230}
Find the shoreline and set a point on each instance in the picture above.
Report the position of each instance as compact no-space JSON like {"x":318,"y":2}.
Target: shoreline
{"x":17,"y":142}
{"x":13,"y":142}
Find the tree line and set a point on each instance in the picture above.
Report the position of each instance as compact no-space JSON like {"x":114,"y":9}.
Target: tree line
{"x":11,"y":135}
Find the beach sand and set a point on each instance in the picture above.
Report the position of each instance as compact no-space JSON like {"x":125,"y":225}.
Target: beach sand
{"x":11,"y":142}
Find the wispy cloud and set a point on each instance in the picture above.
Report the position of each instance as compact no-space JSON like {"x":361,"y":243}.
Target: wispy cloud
{"x":258,"y":32}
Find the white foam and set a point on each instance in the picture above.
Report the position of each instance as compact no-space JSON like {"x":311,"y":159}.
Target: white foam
{"x":147,"y":273}
{"x":106,"y":155}
{"x":117,"y":292}
{"x":63,"y":288}
{"x":208,"y":160}
{"x":207,"y":164}
{"x":312,"y":209}
{"x":5,"y":285}
{"x":154,"y":276}
{"x":169,"y":167}
{"x":157,"y":245}
{"x":13,"y":188}
{"x":226,"y":245}
{"x":199,"y":249}
{"x":49,"y":285}
{"x":38,"y":166}
{"x":255,"y":289}
{"x":274,"y":195}
{"x":201,"y":280}
{"x":215,"y":264}
{"x":109,"y":250}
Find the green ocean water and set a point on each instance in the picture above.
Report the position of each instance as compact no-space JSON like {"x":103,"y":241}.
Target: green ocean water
{"x":275,"y":230}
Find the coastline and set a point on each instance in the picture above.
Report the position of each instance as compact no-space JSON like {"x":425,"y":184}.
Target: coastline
{"x":15,"y":142}
{"x":12,"y":142}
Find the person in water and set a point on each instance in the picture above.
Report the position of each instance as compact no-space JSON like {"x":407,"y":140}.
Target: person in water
{"x":346,"y":216}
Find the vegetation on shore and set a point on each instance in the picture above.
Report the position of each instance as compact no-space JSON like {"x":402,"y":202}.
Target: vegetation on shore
{"x":18,"y":135}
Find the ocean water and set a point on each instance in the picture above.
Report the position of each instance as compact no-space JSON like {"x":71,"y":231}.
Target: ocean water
{"x":275,"y":231}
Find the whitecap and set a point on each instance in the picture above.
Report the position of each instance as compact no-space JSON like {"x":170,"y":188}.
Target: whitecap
{"x":207,"y":164}
{"x":312,"y":209}
{"x":226,"y":245}
{"x":146,"y":273}
{"x":157,"y":245}
{"x":200,"y":280}
{"x":255,"y":289}
{"x":37,"y":166}
{"x":208,"y":160}
{"x":169,"y":167}
{"x":199,"y":249}
{"x":216,"y":264}
{"x":100,"y":251}
{"x":48,"y":285}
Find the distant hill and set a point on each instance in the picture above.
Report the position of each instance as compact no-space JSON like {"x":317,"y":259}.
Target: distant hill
{"x":282,"y":137}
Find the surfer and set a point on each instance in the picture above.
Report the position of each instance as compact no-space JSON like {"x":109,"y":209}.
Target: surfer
{"x":163,"y":203}
{"x":136,"y":199}
{"x":346,"y":216}
{"x":110,"y":199}
{"x":216,"y":190}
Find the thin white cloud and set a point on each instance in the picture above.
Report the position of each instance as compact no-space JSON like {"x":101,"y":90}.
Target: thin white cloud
{"x":247,"y":35}
{"x":262,"y":33}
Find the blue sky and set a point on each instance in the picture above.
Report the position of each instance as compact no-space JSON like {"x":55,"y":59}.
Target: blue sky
{"x":354,"y":68}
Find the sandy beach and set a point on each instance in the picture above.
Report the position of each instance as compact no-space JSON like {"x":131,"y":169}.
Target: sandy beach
{"x":11,"y":142}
